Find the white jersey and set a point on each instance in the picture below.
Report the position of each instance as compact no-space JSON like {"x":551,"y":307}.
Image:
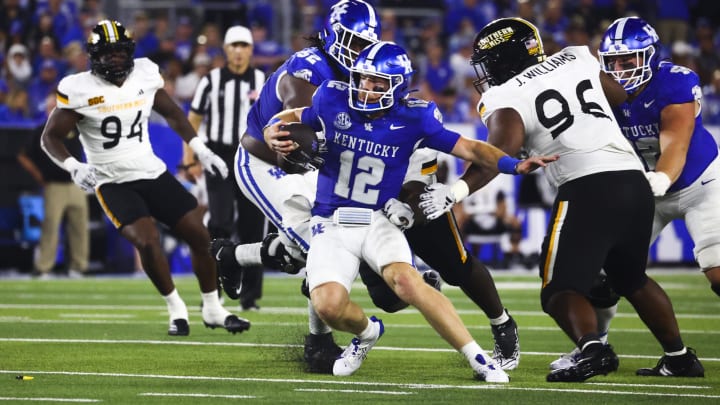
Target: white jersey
{"x":113,"y":130}
{"x":565,"y":112}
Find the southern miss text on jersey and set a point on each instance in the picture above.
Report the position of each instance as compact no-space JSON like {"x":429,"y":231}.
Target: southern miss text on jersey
{"x":309,"y":64}
{"x":565,"y":112}
{"x":367,"y":159}
{"x":113,"y":129}
{"x":640,"y":122}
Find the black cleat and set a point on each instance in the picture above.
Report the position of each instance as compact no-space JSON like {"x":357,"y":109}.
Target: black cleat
{"x":432,"y":278}
{"x":686,"y":365}
{"x":228,"y":270}
{"x":320,"y":353}
{"x":507,"y":345}
{"x":179,"y":327}
{"x":603,"y":361}
{"x":281,"y":260}
{"x":232,"y":324}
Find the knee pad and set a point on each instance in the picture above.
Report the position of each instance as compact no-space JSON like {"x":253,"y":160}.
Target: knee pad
{"x":601,"y":294}
{"x":709,"y":257}
{"x":381,"y":294}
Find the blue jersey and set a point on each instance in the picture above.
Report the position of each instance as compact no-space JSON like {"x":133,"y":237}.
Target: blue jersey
{"x":309,"y":64}
{"x":367,"y":158}
{"x":640,"y":121}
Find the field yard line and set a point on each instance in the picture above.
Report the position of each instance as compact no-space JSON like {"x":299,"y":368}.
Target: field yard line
{"x":275,"y":345}
{"x":178,"y":394}
{"x":355,"y":391}
{"x":363,"y":383}
{"x":20,"y":319}
{"x":83,"y":400}
{"x":300,"y":310}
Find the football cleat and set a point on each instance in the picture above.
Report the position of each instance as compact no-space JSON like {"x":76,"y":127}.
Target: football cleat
{"x":281,"y":260}
{"x":486,"y":369}
{"x":507,"y":345}
{"x":603,"y":361}
{"x":320,"y":353}
{"x":432,"y":278}
{"x":179,"y":327}
{"x":228,"y":270}
{"x":686,"y":365}
{"x":566,"y":360}
{"x":232,"y":324}
{"x":353,"y":356}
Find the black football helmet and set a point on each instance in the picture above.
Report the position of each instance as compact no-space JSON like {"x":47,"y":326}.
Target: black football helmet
{"x":108,"y":39}
{"x":504,"y":48}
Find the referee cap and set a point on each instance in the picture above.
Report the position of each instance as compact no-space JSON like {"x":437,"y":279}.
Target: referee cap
{"x":238,"y":33}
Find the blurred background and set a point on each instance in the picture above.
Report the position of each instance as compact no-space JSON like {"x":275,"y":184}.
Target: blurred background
{"x":42,"y":41}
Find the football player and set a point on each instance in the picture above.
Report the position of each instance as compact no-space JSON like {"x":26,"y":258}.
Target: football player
{"x":371,"y":129}
{"x":286,"y":196}
{"x":110,"y":106}
{"x":661,"y":118}
{"x":558,"y":105}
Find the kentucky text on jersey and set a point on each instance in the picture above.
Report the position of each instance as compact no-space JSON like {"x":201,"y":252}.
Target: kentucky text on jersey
{"x":637,"y":131}
{"x":368,"y":146}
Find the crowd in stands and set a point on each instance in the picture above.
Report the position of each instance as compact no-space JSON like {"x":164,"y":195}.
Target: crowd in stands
{"x":43,"y":40}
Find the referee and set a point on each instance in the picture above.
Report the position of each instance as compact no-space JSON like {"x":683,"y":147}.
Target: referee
{"x":219,"y":114}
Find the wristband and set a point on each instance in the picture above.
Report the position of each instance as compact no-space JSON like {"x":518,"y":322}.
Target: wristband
{"x":508,"y":164}
{"x":460,"y":190}
{"x":273,"y":121}
{"x":70,"y":164}
{"x":197,"y":145}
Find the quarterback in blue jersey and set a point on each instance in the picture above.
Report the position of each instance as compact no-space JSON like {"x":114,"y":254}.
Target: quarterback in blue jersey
{"x":371,"y":130}
{"x":286,"y":194}
{"x":661,"y":119}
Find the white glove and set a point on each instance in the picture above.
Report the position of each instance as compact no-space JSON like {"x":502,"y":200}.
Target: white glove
{"x":82,"y":174}
{"x":439,"y":198}
{"x":399,"y":213}
{"x":209,"y":160}
{"x":659,"y":182}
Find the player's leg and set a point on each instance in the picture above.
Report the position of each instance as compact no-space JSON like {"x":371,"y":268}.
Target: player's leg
{"x":387,"y":252}
{"x":184,"y":218}
{"x":439,"y":244}
{"x":702,"y":218}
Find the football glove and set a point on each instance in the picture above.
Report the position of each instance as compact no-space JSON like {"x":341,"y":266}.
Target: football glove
{"x":82,"y":174}
{"x":659,"y":182}
{"x":208,"y":159}
{"x":399,"y":213}
{"x":439,"y":198}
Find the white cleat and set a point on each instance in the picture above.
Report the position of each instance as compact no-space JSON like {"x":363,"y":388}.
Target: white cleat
{"x":566,"y":360}
{"x":352,"y":357}
{"x":486,"y":369}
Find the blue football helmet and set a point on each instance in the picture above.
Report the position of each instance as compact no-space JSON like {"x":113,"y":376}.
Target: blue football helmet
{"x":107,"y":38}
{"x":630,"y":36}
{"x":351,"y":26}
{"x":383,"y":60}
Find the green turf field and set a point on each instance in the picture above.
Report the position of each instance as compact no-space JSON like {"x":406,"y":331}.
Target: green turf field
{"x":105,"y":340}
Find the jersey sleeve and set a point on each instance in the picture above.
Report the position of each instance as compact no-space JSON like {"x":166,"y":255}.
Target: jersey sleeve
{"x":679,"y":85}
{"x":150,"y":72}
{"x":310,"y":114}
{"x":69,"y":96}
{"x":436,"y":135}
{"x":309,"y":65}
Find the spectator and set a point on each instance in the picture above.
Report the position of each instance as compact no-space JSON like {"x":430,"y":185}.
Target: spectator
{"x":711,"y":101}
{"x":145,"y":38}
{"x":185,"y":85}
{"x":267,"y":54}
{"x":76,"y":58}
{"x":62,"y":200}
{"x":18,"y":106}
{"x":18,"y":65}
{"x":42,"y":86}
{"x":183,"y":36}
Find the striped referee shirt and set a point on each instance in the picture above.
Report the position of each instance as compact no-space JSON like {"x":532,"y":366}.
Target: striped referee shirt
{"x":224,"y":98}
